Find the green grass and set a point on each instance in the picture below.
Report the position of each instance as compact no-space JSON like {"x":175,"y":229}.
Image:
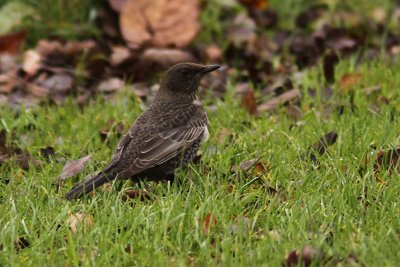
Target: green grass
{"x":326,"y":207}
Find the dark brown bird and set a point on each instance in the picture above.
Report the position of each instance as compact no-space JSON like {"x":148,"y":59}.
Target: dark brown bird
{"x":164,"y":137}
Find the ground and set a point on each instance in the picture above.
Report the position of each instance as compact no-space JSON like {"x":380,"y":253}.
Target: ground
{"x":340,"y":206}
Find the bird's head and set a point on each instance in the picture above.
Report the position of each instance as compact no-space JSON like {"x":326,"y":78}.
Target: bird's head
{"x":184,"y":78}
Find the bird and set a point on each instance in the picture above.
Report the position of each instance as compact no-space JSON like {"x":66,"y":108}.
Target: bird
{"x":165,"y":137}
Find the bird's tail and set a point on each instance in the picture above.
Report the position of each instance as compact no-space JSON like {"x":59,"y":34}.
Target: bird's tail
{"x":89,"y":184}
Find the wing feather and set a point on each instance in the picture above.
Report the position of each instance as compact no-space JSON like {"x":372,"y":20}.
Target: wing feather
{"x":161,"y":147}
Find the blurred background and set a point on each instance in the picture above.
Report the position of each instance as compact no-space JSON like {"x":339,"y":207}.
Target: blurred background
{"x":52,"y":49}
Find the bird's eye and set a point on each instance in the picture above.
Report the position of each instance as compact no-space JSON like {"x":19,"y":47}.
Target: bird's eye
{"x":184,"y":72}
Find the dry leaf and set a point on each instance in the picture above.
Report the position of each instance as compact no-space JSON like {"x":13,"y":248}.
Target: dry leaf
{"x":111,"y":85}
{"x":31,"y":62}
{"x":47,"y":152}
{"x":213,"y":53}
{"x":11,"y":43}
{"x":322,"y":144}
{"x":350,"y":80}
{"x":21,"y":243}
{"x":72,"y":168}
{"x":258,"y":4}
{"x":208,"y":222}
{"x":165,"y":57}
{"x":248,"y":164}
{"x":242,"y":30}
{"x":116,"y":5}
{"x":59,"y":83}
{"x":24,"y":160}
{"x":249,"y":102}
{"x":119,"y":54}
{"x":159,"y":22}
{"x":306,"y":257}
{"x":117,"y":127}
{"x":281,"y":99}
{"x":37,"y":90}
{"x":140,"y":194}
{"x":75,"y":219}
{"x":387,"y":160}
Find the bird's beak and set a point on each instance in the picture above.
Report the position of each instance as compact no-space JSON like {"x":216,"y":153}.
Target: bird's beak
{"x":209,"y":68}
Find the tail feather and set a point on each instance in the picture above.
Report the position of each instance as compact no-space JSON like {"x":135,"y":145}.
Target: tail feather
{"x":88,"y":185}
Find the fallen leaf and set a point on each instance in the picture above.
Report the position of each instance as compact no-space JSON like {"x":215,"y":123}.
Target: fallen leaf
{"x":47,"y":152}
{"x":350,"y":80}
{"x":258,"y":4}
{"x":11,"y":43}
{"x":248,"y":164}
{"x":116,"y":5}
{"x":37,"y":90}
{"x":76,"y":219}
{"x":21,"y":243}
{"x":208,"y":221}
{"x":304,"y":18}
{"x":111,"y":85}
{"x":59,"y":83}
{"x":73,"y":167}
{"x":160,"y":22}
{"x":249,"y":103}
{"x":118,"y":128}
{"x":31,"y":62}
{"x":388,"y":160}
{"x":213,"y":53}
{"x":119,"y":54}
{"x":165,"y":57}
{"x":279,"y":100}
{"x":25,"y":160}
{"x":329,"y":62}
{"x":306,"y":257}
{"x":140,"y":194}
{"x":372,"y":89}
{"x":242,"y":30}
{"x":322,"y":144}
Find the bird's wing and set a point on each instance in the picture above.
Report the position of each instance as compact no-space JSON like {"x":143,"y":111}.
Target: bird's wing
{"x":161,"y":147}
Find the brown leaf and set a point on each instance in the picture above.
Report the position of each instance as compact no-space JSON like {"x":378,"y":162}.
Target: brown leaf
{"x":260,"y":168}
{"x":24,"y":160}
{"x":119,"y":54}
{"x":21,"y":243}
{"x":111,"y":85}
{"x":37,"y":90}
{"x":140,"y":194}
{"x":306,"y":257}
{"x":72,"y":168}
{"x":117,"y":127}
{"x":387,"y":160}
{"x":8,"y":81}
{"x":281,"y":99}
{"x":213,"y":53}
{"x":329,"y":62}
{"x":159,"y":22}
{"x":242,"y":30}
{"x":59,"y":83}
{"x":31,"y":62}
{"x":323,"y":142}
{"x":350,"y":80}
{"x":248,"y":164}
{"x":47,"y":152}
{"x":165,"y":57}
{"x":249,"y":102}
{"x":258,"y":4}
{"x":208,"y":221}
{"x":11,"y":43}
{"x":116,"y":5}
{"x":75,"y":219}
{"x":372,"y":89}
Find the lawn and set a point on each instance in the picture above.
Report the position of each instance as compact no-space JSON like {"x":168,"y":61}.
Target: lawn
{"x":338,"y":209}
